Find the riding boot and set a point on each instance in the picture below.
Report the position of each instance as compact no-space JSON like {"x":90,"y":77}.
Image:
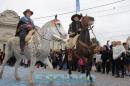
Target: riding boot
{"x":23,"y":34}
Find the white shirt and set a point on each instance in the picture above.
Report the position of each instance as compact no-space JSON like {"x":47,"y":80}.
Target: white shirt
{"x":117,"y":51}
{"x":98,"y":57}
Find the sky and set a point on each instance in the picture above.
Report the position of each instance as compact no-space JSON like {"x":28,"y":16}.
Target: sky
{"x":112,"y":22}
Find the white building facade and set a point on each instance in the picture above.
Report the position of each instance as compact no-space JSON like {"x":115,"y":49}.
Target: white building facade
{"x":8,"y":23}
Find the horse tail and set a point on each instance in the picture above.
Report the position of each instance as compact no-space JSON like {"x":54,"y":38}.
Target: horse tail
{"x":8,"y":52}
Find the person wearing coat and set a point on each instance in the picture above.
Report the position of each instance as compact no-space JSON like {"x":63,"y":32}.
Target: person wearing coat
{"x":105,"y":57}
{"x":25,"y":24}
{"x":119,"y":55}
{"x":75,"y":26}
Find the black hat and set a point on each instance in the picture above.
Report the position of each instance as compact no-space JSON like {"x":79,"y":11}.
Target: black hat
{"x":27,"y":10}
{"x":76,"y":15}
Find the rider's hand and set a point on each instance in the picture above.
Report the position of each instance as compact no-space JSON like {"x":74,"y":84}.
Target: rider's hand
{"x":29,"y":26}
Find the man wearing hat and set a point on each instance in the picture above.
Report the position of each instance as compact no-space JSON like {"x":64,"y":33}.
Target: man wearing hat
{"x":24,"y":26}
{"x":75,"y":26}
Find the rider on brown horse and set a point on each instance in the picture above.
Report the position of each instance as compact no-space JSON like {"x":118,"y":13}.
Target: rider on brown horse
{"x":75,"y":26}
{"x":82,"y":46}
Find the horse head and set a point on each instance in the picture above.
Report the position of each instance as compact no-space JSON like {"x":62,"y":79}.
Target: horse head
{"x":87,"y":21}
{"x":54,"y":30}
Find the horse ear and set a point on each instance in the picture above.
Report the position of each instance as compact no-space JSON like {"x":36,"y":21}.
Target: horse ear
{"x":84,"y":22}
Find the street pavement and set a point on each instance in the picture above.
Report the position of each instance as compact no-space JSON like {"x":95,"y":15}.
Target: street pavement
{"x":42,"y":77}
{"x":109,"y":80}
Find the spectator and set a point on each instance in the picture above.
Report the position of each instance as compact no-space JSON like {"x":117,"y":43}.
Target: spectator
{"x":0,"y":57}
{"x":55,"y":60}
{"x":113,"y":63}
{"x":127,"y":59}
{"x":118,"y":56}
{"x":11,"y":61}
{"x":98,"y":62}
{"x":105,"y":59}
{"x":82,"y":65}
{"x":25,"y":62}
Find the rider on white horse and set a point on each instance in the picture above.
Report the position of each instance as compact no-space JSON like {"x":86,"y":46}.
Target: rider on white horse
{"x":24,"y":26}
{"x":38,"y":47}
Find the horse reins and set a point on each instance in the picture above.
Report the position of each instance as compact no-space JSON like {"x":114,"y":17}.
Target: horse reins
{"x":58,"y":30}
{"x":85,"y":45}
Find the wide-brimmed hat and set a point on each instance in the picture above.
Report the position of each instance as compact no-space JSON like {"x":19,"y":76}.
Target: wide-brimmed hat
{"x":76,"y":15}
{"x":27,"y":10}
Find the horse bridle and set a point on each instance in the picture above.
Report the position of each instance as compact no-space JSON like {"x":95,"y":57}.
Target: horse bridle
{"x":58,"y":30}
{"x":91,"y":28}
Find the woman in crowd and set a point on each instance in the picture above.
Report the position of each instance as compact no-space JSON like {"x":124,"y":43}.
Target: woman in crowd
{"x":119,"y":55}
{"x":128,"y":57}
{"x":97,"y":58}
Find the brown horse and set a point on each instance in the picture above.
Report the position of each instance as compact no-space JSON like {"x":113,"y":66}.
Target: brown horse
{"x":84,"y":46}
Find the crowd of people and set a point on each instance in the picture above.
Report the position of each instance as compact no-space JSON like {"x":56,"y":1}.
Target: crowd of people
{"x":114,"y":58}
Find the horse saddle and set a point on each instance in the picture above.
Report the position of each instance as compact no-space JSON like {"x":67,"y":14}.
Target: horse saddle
{"x":28,"y":38}
{"x":71,"y":42}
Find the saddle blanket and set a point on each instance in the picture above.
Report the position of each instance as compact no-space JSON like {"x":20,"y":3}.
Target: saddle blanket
{"x":27,"y":39}
{"x":71,"y":42}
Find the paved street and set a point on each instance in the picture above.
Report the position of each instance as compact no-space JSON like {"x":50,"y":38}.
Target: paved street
{"x":41,"y":78}
{"x":108,"y":80}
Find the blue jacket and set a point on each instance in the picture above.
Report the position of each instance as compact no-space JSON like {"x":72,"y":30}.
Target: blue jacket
{"x":22,"y":25}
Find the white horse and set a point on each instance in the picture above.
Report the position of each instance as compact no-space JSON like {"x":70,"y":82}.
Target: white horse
{"x":37,"y":49}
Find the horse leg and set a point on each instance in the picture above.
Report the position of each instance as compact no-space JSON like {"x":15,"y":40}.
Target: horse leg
{"x":16,"y":69}
{"x":70,"y":67}
{"x":47,"y":62}
{"x":32,"y":66}
{"x":7,"y":56}
{"x":88,"y":72}
{"x":3,"y":65}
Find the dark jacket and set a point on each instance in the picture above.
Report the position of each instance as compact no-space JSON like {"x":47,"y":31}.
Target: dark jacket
{"x":105,"y":55}
{"x":74,"y":27}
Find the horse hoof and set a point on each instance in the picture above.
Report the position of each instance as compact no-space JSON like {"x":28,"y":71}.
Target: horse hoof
{"x":18,"y":79}
{"x":92,"y":85}
{"x":31,"y":84}
{"x":1,"y":74}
